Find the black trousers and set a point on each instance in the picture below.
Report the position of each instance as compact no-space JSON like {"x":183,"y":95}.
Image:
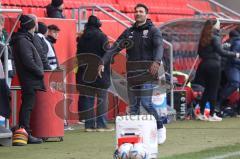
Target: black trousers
{"x":28,"y":101}
{"x":210,"y":73}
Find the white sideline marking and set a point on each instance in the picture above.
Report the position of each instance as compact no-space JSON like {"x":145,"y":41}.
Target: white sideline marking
{"x":226,"y":155}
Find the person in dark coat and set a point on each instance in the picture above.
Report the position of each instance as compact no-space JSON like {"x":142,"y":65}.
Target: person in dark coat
{"x":29,"y":69}
{"x":144,"y":44}
{"x":232,"y":70}
{"x":55,"y":9}
{"x":209,"y":70}
{"x":89,"y":44}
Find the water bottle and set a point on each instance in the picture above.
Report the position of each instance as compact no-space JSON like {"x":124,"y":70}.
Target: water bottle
{"x":207,"y":109}
{"x":197,"y":110}
{"x":159,"y":101}
{"x":2,"y":121}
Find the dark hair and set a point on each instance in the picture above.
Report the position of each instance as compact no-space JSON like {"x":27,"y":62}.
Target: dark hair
{"x":141,"y":5}
{"x":42,"y":27}
{"x":207,"y":33}
{"x":53,"y":27}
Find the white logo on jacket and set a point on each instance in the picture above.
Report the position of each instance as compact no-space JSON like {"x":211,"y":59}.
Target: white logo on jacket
{"x":131,"y":35}
{"x":145,"y":34}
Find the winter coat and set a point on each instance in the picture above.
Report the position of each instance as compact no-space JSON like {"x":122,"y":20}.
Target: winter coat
{"x":215,"y":50}
{"x":92,"y":41}
{"x":28,"y":62}
{"x":235,"y":47}
{"x":42,"y":50}
{"x":51,"y":55}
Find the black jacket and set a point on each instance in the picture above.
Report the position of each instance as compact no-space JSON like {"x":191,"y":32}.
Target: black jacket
{"x":53,"y":12}
{"x":215,"y":50}
{"x":28,"y":62}
{"x":143,"y":44}
{"x":42,"y":50}
{"x":92,"y":41}
{"x":235,"y":46}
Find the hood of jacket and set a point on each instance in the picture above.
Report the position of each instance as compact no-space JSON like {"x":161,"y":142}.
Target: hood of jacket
{"x":21,"y":33}
{"x":90,"y":32}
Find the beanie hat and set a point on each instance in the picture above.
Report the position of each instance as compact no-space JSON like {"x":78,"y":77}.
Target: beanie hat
{"x":27,"y":22}
{"x":57,"y":3}
{"x":42,"y":27}
{"x":94,"y":21}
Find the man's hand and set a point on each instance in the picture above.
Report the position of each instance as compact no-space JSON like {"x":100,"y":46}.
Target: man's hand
{"x":100,"y":70}
{"x":154,"y":68}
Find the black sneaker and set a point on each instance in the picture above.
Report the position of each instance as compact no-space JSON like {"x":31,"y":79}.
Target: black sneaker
{"x":34,"y":140}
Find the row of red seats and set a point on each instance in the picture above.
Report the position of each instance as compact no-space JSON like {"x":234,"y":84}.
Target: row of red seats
{"x":156,"y":6}
{"x":185,"y":46}
{"x":202,"y":5}
{"x":44,"y":3}
{"x":158,"y":9}
{"x":184,"y":64}
{"x":39,"y":12}
{"x":30,"y":3}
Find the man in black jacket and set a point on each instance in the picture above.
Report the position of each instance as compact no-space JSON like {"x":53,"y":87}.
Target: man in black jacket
{"x":97,"y":87}
{"x":55,"y":9}
{"x":29,"y":69}
{"x":143,"y":42}
{"x":232,"y":70}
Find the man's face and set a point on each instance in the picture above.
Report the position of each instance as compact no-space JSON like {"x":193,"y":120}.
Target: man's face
{"x":140,"y":15}
{"x":53,"y":33}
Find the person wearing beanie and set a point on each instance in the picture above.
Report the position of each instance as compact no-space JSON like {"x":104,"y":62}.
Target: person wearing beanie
{"x":55,"y":9}
{"x":92,"y":41}
{"x":51,"y":38}
{"x":29,"y":69}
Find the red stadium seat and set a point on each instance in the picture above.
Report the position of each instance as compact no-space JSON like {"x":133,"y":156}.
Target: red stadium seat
{"x":5,"y":2}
